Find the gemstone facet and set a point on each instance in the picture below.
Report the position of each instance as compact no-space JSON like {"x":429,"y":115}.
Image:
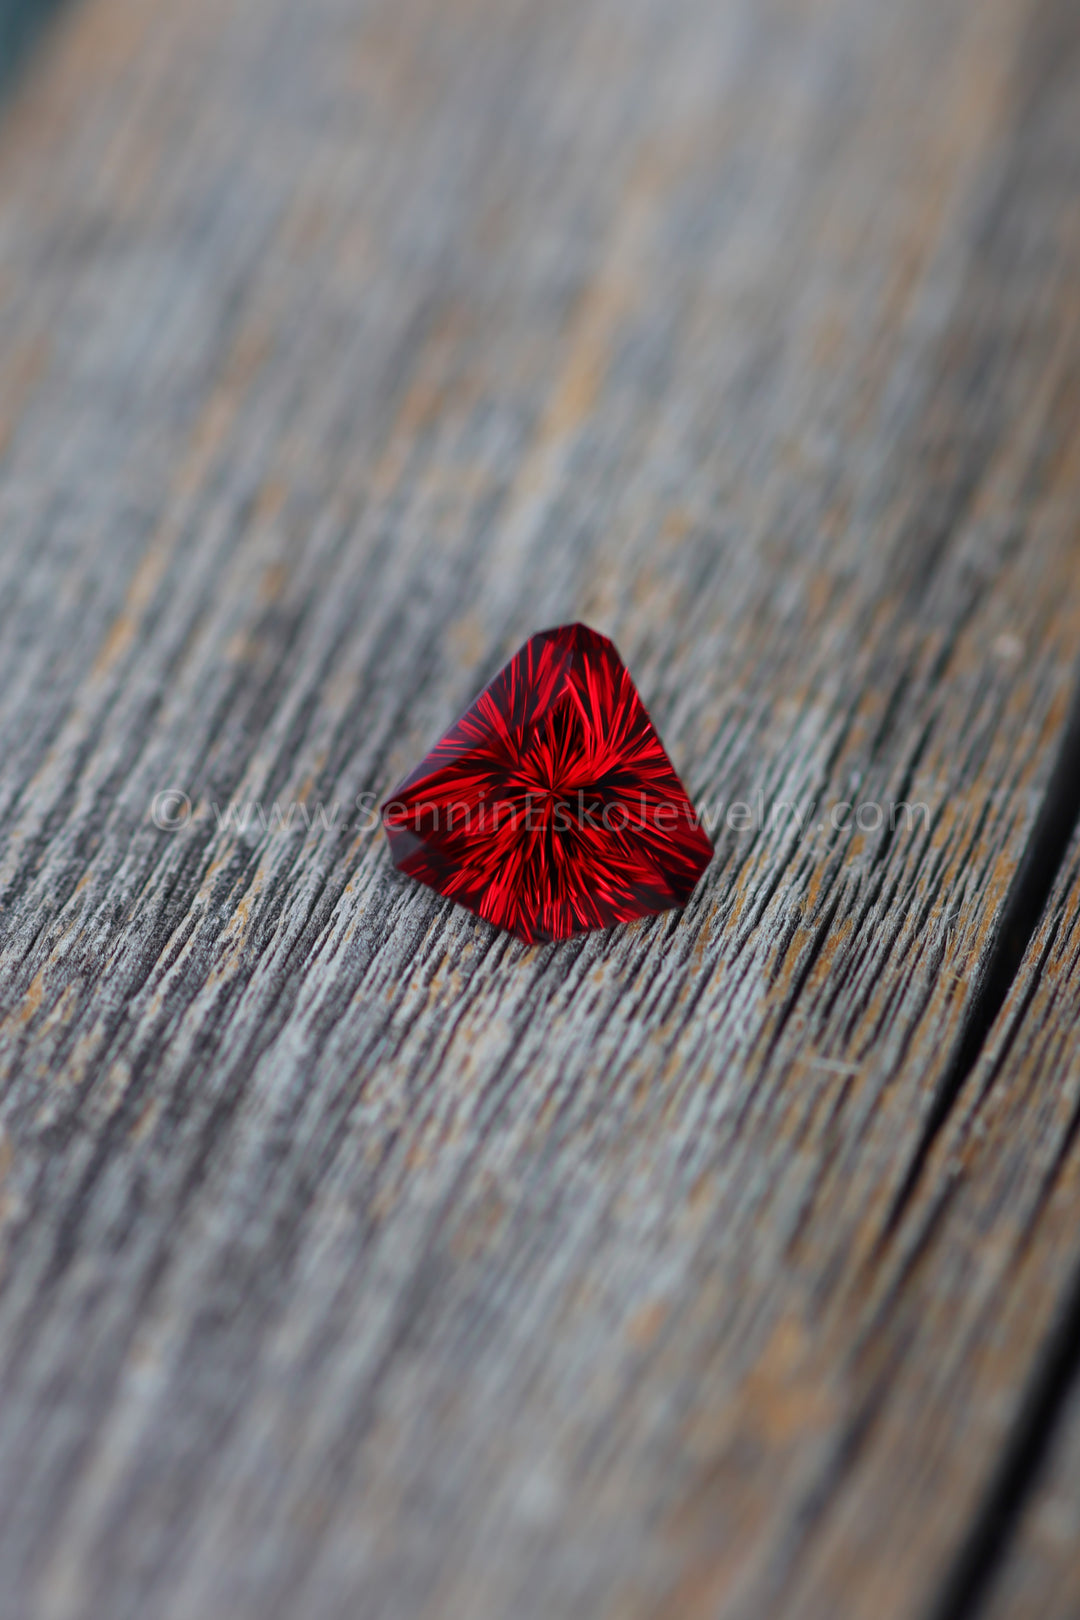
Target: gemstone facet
{"x":551,"y":807}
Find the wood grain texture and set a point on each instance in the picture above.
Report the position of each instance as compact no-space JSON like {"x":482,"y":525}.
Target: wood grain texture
{"x":1027,"y":1128}
{"x":1039,"y":1575}
{"x":359,"y":1260}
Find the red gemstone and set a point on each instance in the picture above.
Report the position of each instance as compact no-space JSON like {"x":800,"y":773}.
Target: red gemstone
{"x":551,"y":807}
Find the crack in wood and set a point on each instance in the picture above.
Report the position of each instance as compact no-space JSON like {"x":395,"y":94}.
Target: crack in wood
{"x":1058,"y":1366}
{"x":1025,"y":905}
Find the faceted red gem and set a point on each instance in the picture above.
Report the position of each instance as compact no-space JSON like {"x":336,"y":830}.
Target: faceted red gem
{"x":551,"y":807}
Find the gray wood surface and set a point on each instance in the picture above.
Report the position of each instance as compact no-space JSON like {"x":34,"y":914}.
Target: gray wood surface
{"x":1040,"y":1569}
{"x":1039,"y":1573}
{"x":358,"y":1260}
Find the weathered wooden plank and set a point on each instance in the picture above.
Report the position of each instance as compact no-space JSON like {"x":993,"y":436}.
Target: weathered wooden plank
{"x":1010,"y":1175}
{"x":982,"y":1283}
{"x":357,"y":1257}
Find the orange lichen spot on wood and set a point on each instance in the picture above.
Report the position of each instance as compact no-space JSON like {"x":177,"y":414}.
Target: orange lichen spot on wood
{"x":677,"y":524}
{"x":466,"y":640}
{"x":788,"y":1392}
{"x":26,"y":366}
{"x":645,"y":1324}
{"x":272,"y":584}
{"x":145,"y":1120}
{"x":61,"y":1010}
{"x":480,"y":1224}
{"x":31,"y":1001}
{"x":122,"y":632}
